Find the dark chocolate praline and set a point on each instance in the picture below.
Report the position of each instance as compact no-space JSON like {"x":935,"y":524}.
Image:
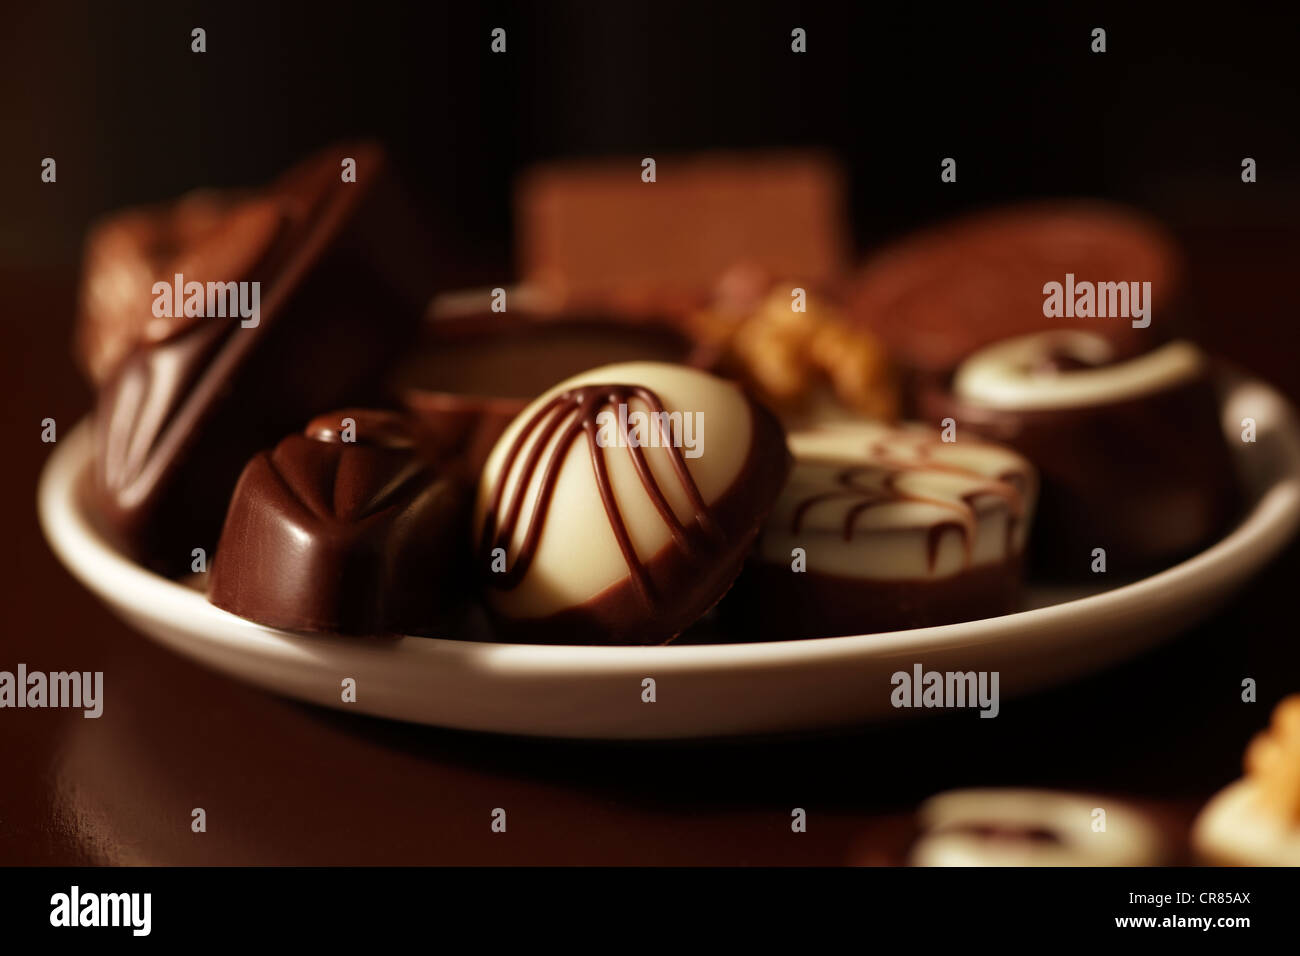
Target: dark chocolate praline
{"x":1147,"y":477}
{"x":345,"y":529}
{"x":198,"y":395}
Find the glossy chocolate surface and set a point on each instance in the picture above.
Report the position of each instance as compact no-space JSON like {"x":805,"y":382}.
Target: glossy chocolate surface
{"x":1148,"y":479}
{"x":343,"y":528}
{"x":197,"y":396}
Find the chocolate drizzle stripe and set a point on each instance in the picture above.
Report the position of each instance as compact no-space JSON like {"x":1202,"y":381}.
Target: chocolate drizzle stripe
{"x":675,"y":527}
{"x":616,"y":523}
{"x":703,"y":515}
{"x":934,"y":536}
{"x":536,"y":521}
{"x":581,"y":407}
{"x":851,"y":517}
{"x":556,"y":413}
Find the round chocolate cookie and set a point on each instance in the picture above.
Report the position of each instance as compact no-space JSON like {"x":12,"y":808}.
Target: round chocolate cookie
{"x":939,"y":294}
{"x":618,"y":507}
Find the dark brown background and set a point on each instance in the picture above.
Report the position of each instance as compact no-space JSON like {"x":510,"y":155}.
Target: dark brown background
{"x":115,"y":96}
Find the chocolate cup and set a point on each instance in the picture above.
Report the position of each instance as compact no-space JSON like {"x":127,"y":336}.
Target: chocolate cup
{"x":773,"y":602}
{"x":351,"y":538}
{"x":180,"y":415}
{"x":1148,"y":479}
{"x":617,"y":615}
{"x":474,"y":373}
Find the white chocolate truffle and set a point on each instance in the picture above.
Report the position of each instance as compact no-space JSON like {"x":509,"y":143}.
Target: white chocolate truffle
{"x":1256,"y":821}
{"x":1237,"y":829}
{"x":1013,"y":374}
{"x":994,"y":827}
{"x":577,"y":553}
{"x":883,"y":503}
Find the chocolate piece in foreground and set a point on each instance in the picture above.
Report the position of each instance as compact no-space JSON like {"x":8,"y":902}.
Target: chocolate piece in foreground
{"x":592,"y":233}
{"x":344,"y":529}
{"x":939,"y":294}
{"x":1256,"y":820}
{"x":1131,"y":452}
{"x":475,"y":370}
{"x":198,"y":395}
{"x":896,"y":529}
{"x":619,"y":506}
{"x":1004,"y":827}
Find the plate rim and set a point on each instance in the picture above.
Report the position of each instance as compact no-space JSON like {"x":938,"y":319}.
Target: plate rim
{"x":1271,"y":520}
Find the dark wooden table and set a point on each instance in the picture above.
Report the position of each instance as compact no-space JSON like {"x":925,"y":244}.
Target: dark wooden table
{"x":286,"y":783}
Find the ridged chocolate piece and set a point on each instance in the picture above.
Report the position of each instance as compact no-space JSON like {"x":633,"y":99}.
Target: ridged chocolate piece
{"x":344,"y":529}
{"x":195,"y":397}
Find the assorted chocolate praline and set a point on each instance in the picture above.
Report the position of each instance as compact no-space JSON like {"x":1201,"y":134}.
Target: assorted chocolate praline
{"x":185,"y":400}
{"x":1131,"y":451}
{"x":344,"y":528}
{"x":882,"y":529}
{"x":595,"y":526}
{"x":366,"y":523}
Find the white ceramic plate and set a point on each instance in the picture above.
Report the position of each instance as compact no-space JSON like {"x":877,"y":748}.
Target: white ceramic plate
{"x":705,"y":689}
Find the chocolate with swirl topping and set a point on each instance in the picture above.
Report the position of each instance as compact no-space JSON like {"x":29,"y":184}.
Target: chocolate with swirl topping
{"x":883,"y":528}
{"x":587,"y":534}
{"x":1131,"y":451}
